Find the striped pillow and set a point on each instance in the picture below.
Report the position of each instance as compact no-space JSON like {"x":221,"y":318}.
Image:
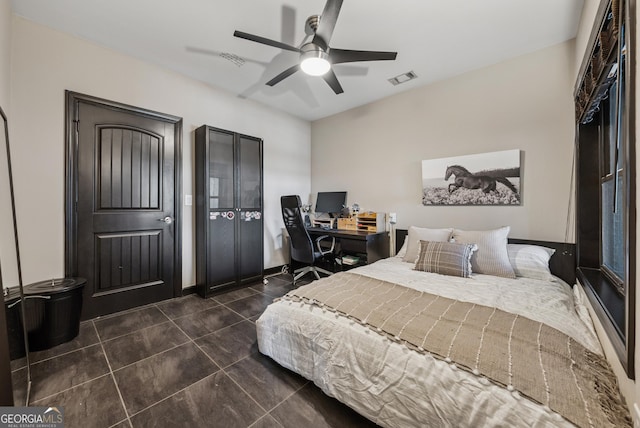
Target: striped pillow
{"x":445,"y":258}
{"x":492,"y":257}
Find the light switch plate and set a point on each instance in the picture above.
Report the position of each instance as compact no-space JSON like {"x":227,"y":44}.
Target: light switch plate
{"x":188,"y":200}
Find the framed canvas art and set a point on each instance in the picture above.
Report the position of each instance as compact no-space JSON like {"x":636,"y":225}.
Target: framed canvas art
{"x":483,"y":179}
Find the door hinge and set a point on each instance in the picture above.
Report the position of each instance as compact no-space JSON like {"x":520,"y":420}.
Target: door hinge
{"x":77,"y":122}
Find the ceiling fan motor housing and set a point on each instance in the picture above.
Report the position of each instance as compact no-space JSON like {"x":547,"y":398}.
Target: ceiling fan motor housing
{"x":314,"y":60}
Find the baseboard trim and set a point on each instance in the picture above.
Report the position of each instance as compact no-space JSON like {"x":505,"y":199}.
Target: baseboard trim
{"x":273,"y":270}
{"x":192,"y":289}
{"x":189,"y":290}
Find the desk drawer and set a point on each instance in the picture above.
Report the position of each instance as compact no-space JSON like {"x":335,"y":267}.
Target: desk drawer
{"x":353,"y":245}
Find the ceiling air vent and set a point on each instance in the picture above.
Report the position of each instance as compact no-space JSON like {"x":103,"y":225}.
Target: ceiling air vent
{"x":233,"y":58}
{"x":402,"y":78}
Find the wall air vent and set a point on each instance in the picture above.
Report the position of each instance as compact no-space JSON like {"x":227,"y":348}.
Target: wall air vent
{"x":233,"y":58}
{"x":402,"y":78}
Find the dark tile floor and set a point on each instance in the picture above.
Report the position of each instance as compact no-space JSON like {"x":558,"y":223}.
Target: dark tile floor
{"x":185,"y":362}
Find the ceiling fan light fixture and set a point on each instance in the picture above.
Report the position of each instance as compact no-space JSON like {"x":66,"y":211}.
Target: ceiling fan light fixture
{"x":315,"y":62}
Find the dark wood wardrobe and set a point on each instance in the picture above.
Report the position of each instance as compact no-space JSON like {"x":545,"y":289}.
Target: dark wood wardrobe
{"x":229,"y":213}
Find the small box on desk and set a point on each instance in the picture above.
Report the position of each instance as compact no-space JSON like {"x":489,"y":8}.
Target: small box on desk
{"x":349,"y":223}
{"x":326,"y":223}
{"x":371,"y":222}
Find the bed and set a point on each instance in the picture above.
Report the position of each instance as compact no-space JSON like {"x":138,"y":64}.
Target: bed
{"x":388,"y":377}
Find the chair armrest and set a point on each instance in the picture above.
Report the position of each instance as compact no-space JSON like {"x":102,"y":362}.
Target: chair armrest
{"x":330,"y":250}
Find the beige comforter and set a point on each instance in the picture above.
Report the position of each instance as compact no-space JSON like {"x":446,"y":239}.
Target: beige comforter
{"x":395,"y":386}
{"x":512,"y":351}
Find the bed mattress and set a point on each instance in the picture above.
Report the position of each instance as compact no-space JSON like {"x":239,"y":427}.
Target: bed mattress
{"x":396,"y":387}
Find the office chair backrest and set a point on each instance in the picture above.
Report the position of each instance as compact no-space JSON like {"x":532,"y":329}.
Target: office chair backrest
{"x":301,"y":244}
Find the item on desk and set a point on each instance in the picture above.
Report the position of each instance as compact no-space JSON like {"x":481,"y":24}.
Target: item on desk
{"x":347,"y":223}
{"x":325,"y":223}
{"x":350,"y":260}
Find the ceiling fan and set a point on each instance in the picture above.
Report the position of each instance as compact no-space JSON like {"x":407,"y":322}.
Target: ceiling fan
{"x":316,"y":56}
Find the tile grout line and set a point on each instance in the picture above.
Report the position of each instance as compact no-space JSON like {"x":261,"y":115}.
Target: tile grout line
{"x":151,"y":356}
{"x":175,"y":393}
{"x":266,"y":412}
{"x":237,"y":313}
{"x":192,"y":341}
{"x":225,"y":373}
{"x":220,"y":369}
{"x":118,"y":423}
{"x":61,"y":355}
{"x":129,"y":332}
{"x":67,"y":389}
{"x":135,"y":331}
{"x":104,"y":352}
{"x":265,"y":416}
{"x":243,"y":316}
{"x":306,"y":381}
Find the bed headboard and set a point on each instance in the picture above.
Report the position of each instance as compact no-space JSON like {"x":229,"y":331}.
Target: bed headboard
{"x":562,"y":264}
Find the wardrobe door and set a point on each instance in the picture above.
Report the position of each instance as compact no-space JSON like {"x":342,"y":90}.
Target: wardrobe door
{"x":250,"y":222}
{"x":221,"y":260}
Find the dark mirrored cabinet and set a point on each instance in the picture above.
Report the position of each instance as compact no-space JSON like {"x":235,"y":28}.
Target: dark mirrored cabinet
{"x":229,"y":213}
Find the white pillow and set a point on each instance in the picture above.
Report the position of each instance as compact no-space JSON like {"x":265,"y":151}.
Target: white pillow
{"x":492,"y":257}
{"x":417,"y":234}
{"x":403,"y":249}
{"x":530,"y":261}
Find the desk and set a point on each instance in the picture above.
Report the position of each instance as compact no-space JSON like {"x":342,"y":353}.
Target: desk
{"x":373,"y":245}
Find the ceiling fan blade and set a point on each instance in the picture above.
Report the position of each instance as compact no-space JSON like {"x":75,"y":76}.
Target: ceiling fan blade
{"x":327,"y":23}
{"x":338,"y":56}
{"x":280,"y":77}
{"x":265,"y":41}
{"x":332,"y":80}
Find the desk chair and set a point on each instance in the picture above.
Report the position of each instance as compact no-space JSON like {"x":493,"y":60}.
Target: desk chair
{"x":301,"y":245}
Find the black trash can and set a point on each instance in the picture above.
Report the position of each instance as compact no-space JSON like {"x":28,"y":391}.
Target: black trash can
{"x":14,"y":323}
{"x":52,"y":310}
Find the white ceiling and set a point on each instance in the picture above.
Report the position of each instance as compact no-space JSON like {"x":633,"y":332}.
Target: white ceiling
{"x":435,"y":39}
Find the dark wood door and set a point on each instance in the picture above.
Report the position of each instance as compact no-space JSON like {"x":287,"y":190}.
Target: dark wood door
{"x":126,"y":211}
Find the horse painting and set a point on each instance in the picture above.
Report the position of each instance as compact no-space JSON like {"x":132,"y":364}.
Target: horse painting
{"x":467,"y":180}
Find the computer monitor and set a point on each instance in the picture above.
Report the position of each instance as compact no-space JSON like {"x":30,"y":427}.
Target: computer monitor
{"x":330,"y":202}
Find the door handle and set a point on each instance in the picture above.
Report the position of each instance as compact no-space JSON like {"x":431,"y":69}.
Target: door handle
{"x":167,"y":219}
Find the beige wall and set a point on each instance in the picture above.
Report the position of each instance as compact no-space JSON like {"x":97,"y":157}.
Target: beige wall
{"x":5,"y":53}
{"x":375,"y":151}
{"x":8,"y":258}
{"x":46,"y":62}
